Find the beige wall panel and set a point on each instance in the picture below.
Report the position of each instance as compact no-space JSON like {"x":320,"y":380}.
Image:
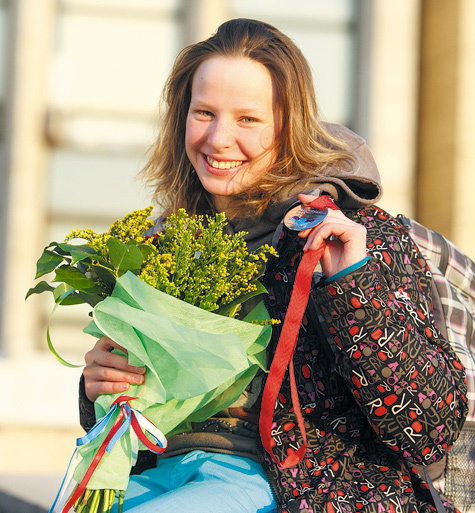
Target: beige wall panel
{"x":203,"y":17}
{"x":25,"y":156}
{"x":446,"y":174}
{"x":437,"y":114}
{"x":393,"y":99}
{"x":464,"y":213}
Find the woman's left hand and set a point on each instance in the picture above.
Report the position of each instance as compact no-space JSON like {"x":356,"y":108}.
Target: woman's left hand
{"x":348,"y":245}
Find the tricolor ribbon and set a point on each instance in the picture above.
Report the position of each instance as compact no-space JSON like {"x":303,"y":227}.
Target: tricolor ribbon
{"x":285,"y":350}
{"x":127,"y":418}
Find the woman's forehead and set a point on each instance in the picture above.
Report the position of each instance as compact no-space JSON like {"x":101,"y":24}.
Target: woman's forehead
{"x":233,"y":79}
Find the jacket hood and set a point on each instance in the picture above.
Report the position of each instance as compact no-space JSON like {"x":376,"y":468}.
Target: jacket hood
{"x":351,"y":185}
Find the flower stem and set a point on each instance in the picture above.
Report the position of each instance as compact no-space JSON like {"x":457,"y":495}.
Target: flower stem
{"x":121,"y":501}
{"x":105,"y":503}
{"x":83,"y":501}
{"x":95,"y":501}
{"x":109,"y":496}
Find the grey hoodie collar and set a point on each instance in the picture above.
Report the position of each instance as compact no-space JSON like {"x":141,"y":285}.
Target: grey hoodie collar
{"x":353,"y":185}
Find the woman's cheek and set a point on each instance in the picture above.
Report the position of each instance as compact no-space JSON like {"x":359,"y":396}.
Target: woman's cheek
{"x":267,"y":137}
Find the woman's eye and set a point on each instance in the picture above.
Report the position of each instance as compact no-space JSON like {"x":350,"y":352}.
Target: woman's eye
{"x":205,"y":113}
{"x":249,"y":120}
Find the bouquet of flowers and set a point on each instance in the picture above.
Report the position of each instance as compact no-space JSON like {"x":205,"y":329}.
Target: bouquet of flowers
{"x":158,"y":296}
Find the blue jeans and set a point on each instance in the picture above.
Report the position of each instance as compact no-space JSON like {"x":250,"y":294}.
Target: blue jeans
{"x":201,"y":482}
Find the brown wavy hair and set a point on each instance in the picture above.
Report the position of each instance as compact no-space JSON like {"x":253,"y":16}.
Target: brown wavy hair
{"x":303,"y":147}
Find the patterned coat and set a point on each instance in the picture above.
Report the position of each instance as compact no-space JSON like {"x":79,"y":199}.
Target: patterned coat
{"x":380,"y":389}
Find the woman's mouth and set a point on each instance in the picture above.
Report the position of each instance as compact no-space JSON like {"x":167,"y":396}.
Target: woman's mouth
{"x":223,"y":164}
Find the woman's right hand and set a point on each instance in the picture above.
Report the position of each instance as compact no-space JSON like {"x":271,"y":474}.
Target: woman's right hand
{"x":109,"y":373}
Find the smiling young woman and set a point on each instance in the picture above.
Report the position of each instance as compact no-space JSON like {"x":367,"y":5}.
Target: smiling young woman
{"x":241,"y":134}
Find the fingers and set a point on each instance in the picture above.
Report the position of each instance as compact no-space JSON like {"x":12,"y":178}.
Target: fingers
{"x":107,"y":372}
{"x":94,"y":389}
{"x":306,"y":198}
{"x":343,"y":239}
{"x":107,"y":344}
{"x":101,"y":354}
{"x":336,"y":224}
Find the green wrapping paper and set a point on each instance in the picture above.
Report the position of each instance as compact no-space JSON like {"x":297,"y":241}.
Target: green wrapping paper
{"x":198,"y":363}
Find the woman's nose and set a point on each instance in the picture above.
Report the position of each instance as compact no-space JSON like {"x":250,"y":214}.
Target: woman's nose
{"x":220,"y":135}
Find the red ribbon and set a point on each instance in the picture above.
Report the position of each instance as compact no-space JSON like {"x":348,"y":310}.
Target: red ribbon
{"x":95,"y":462}
{"x":285,"y":349}
{"x":102,"y":449}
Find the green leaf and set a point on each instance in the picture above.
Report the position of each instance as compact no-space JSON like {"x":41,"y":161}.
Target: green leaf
{"x":227,"y":309}
{"x":41,"y":287}
{"x":77,"y":280}
{"x":147,"y":250}
{"x":124,"y":257}
{"x":47,"y":262}
{"x":90,"y":299}
{"x":56,"y":247}
{"x":71,"y":300}
{"x":77,"y":252}
{"x":105,"y":273}
{"x":65,"y":295}
{"x":62,"y":291}
{"x":83,"y":267}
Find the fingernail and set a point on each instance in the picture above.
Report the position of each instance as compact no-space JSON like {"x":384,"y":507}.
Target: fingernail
{"x":138,"y":379}
{"x":140,"y":370}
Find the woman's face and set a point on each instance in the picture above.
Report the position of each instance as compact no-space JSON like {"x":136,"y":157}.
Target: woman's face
{"x":231,"y":125}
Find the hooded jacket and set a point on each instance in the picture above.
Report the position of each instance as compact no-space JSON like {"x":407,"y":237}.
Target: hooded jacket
{"x":379,"y":388}
{"x":354,"y":184}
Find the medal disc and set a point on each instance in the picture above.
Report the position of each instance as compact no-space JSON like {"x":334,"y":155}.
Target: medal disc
{"x":303,"y":217}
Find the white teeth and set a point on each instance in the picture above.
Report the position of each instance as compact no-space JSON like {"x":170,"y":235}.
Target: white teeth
{"x":223,"y":164}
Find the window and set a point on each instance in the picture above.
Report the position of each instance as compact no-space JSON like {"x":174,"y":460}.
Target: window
{"x":109,"y":64}
{"x":326,"y":33}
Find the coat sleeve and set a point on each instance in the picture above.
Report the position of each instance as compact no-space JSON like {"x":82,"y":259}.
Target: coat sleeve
{"x":402,"y":373}
{"x":87,"y":415}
